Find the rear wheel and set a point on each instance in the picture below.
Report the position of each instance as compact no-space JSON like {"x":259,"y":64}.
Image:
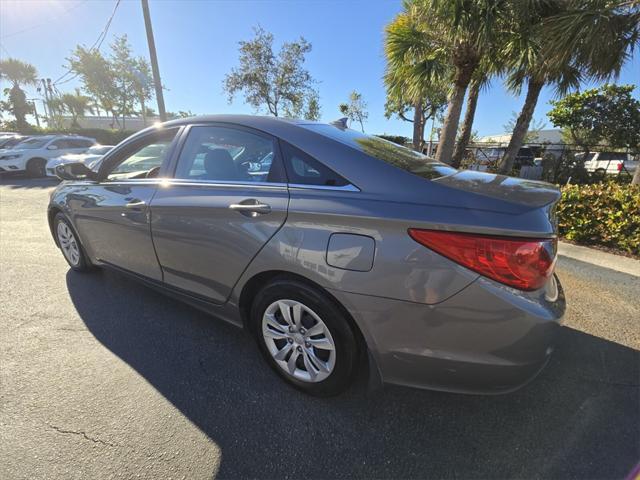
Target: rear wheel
{"x":70,"y":245}
{"x":36,"y":167}
{"x":305,"y":337}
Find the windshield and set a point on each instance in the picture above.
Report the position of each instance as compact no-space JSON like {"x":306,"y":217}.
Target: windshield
{"x":33,"y":143}
{"x":397,"y":155}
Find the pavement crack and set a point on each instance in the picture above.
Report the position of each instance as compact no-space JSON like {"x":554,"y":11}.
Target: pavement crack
{"x":82,"y":434}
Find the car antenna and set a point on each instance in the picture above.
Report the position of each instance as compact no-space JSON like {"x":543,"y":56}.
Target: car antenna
{"x":340,"y":123}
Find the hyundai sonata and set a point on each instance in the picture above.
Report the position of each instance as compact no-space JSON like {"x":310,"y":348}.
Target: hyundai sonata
{"x":336,"y":250}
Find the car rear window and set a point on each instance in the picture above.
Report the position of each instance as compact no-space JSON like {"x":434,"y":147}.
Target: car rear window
{"x":392,"y":153}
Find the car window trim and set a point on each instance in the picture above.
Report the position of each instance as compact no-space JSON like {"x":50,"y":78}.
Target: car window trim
{"x":349,"y":187}
{"x":173,"y":166}
{"x":125,"y":149}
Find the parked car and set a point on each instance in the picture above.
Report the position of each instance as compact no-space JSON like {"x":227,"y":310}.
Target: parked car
{"x":31,"y":155}
{"x":609,"y":163}
{"x":10,"y":141}
{"x":91,"y":154}
{"x":346,"y":249}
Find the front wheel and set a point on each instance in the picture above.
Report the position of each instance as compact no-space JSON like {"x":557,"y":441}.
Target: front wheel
{"x":37,"y":167}
{"x":70,"y":245}
{"x":305,"y":337}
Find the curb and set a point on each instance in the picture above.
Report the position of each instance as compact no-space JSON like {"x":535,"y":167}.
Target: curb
{"x":599,"y":258}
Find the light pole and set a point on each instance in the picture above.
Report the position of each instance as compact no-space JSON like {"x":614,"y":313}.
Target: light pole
{"x":154,"y":60}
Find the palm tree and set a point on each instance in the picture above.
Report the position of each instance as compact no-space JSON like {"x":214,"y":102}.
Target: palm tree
{"x":19,"y":74}
{"x":552,"y":45}
{"x":596,"y":35}
{"x":488,"y":67}
{"x":76,"y":105}
{"x":416,"y":74}
{"x":468,"y":30}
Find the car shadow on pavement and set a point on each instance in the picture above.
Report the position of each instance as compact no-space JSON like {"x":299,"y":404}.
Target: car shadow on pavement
{"x":20,"y":181}
{"x":578,"y":419}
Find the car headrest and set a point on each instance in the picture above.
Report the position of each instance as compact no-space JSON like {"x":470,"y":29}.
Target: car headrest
{"x":219,"y":165}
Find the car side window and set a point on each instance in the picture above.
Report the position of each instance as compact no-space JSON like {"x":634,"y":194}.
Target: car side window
{"x":61,"y":144}
{"x":214,"y":153}
{"x":303,"y":169}
{"x":146,"y":158}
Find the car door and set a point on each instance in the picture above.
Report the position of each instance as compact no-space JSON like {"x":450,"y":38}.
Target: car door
{"x":227,"y":198}
{"x":58,"y":147}
{"x":112,"y":215}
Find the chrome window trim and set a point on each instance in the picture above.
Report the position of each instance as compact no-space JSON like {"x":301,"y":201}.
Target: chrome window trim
{"x":219,"y":183}
{"x":166,"y":182}
{"x":344,"y":188}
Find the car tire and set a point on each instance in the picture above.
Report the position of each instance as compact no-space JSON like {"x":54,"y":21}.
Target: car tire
{"x":323,"y":343}
{"x":37,"y":167}
{"x":69,"y":244}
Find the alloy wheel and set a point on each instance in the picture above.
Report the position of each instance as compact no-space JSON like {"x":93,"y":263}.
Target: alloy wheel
{"x":298,"y":340}
{"x":68,"y":244}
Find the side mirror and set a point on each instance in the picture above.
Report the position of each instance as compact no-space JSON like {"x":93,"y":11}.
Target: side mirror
{"x":75,"y":171}
{"x":52,"y":147}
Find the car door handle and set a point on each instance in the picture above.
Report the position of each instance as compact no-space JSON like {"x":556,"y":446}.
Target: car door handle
{"x":135,"y":204}
{"x":251,"y":207}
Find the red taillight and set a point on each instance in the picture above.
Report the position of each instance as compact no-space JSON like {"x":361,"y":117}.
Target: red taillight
{"x":619,"y":166}
{"x":523,"y":263}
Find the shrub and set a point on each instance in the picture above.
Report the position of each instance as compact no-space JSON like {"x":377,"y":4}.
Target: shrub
{"x":102,"y":136}
{"x":606,"y":214}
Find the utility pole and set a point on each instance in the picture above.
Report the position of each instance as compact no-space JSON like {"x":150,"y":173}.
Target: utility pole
{"x":154,"y":60}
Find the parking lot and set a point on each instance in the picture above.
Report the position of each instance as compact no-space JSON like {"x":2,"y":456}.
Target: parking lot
{"x":104,"y":378}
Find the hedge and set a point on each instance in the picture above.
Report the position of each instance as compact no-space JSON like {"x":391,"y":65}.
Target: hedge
{"x":102,"y":136}
{"x":606,"y":214}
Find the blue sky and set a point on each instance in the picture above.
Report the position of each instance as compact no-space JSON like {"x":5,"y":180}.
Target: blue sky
{"x":197,"y":42}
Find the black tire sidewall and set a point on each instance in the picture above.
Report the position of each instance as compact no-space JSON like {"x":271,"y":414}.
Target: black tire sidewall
{"x":83,"y":264}
{"x":343,"y":337}
{"x":37,"y":172}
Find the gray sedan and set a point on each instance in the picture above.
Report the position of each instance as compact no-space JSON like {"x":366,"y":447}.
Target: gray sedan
{"x":338,"y":251}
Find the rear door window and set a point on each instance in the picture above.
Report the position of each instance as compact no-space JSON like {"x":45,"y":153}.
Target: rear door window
{"x":227,"y":154}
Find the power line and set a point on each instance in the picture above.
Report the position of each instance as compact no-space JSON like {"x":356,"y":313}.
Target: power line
{"x":96,"y":46}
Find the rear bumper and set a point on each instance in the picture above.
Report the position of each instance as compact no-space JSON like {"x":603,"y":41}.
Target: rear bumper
{"x":486,"y":339}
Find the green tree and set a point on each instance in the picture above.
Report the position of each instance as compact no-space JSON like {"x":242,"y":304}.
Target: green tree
{"x":312,"y":110}
{"x":608,"y":114}
{"x":76,"y":105}
{"x":278,"y":82}
{"x":532,"y":132}
{"x":120,"y":83}
{"x":416,"y":74}
{"x":19,"y":74}
{"x":124,"y":66}
{"x":465,"y":31}
{"x":356,"y":109}
{"x":560,"y":42}
{"x":596,"y":35}
{"x":97,"y":76}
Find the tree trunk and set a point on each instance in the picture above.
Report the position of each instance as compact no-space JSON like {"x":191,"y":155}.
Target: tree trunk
{"x":451,"y":121}
{"x":418,"y":127}
{"x":522,"y":126}
{"x":636,"y":176}
{"x":467,"y":124}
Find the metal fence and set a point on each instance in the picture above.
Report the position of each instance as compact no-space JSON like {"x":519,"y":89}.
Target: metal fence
{"x":554,"y":162}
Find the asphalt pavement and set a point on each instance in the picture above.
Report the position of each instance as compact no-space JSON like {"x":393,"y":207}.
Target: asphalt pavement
{"x":101,"y":377}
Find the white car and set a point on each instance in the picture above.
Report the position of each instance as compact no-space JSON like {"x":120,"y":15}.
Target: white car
{"x":31,"y":155}
{"x":610,"y":163}
{"x":88,"y":158}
